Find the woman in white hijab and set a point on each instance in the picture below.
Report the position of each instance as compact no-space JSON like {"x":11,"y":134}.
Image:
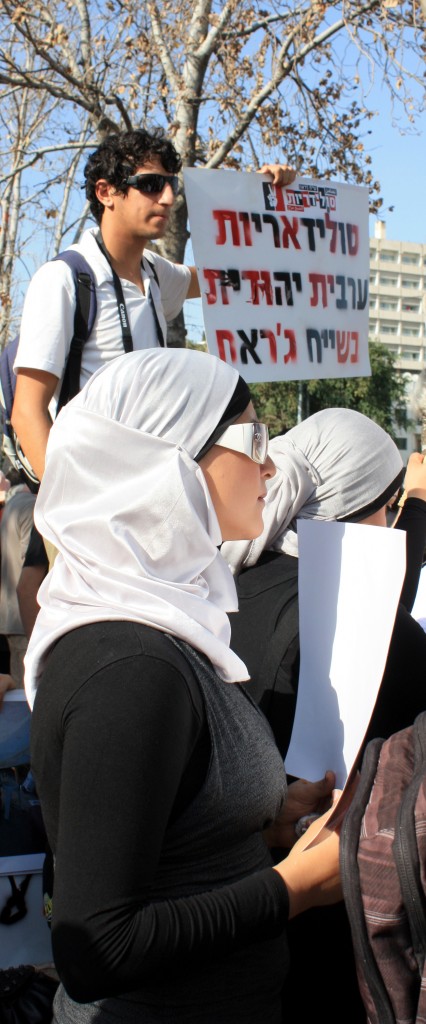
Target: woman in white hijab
{"x":337,"y":464}
{"x":156,"y":777}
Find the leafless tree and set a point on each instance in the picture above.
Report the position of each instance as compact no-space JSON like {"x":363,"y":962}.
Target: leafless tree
{"x":235,"y":83}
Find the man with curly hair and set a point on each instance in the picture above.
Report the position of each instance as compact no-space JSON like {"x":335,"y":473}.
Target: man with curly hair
{"x":131,"y":182}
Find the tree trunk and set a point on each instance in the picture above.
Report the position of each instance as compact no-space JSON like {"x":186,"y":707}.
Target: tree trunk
{"x":173,"y":248}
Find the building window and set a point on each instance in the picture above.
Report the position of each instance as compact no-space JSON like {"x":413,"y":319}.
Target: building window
{"x":413,"y":330}
{"x":390,"y":282}
{"x":401,"y":443}
{"x":373,"y":254}
{"x":410,"y":282}
{"x":410,"y":257}
{"x":388,"y":304}
{"x":388,"y":257}
{"x":388,"y":328}
{"x":401,"y":410}
{"x":410,"y":307}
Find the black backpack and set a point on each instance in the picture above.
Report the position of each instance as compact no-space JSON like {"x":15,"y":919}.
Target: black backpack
{"x":84,"y":319}
{"x":383,"y":868}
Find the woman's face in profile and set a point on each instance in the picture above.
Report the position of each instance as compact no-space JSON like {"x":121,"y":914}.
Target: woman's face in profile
{"x":237,"y":487}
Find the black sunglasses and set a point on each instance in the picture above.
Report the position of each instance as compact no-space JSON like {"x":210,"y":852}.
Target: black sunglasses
{"x":153,"y":184}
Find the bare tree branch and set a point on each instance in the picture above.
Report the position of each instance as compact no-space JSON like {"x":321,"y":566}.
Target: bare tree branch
{"x":232,"y":81}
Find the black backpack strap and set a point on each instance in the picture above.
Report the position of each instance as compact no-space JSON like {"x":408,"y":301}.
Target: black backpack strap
{"x":84,"y":318}
{"x":71,"y":380}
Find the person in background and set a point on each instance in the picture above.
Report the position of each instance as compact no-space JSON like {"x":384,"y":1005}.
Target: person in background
{"x":34,"y":569}
{"x":4,"y":488}
{"x":15,"y":529}
{"x":6,"y":681}
{"x":131,"y":183}
{"x":161,"y":787}
{"x":335,"y":465}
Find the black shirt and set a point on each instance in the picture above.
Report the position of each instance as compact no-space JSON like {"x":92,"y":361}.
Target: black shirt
{"x":156,"y":780}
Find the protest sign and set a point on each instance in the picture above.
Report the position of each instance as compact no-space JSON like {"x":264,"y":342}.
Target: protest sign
{"x":283,"y":273}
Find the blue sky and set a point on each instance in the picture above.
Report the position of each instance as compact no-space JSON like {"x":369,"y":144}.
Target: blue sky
{"x":399,"y":157}
{"x":399,"y":163}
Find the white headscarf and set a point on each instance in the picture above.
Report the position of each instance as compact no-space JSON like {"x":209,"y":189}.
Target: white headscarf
{"x":130,"y":512}
{"x":331,"y":466}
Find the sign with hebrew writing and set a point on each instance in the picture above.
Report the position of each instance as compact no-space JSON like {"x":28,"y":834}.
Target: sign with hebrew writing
{"x":283,"y":273}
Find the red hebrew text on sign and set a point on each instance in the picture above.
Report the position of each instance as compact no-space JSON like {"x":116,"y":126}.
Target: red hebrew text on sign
{"x":283,"y":274}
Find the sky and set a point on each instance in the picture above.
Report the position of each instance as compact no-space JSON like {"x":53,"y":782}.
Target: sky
{"x":399,"y":163}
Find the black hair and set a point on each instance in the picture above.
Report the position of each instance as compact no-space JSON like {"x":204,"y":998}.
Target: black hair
{"x":235,"y":408}
{"x":120,"y":154}
{"x":377,"y":504}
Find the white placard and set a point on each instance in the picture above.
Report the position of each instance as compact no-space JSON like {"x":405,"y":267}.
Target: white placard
{"x":350,"y":579}
{"x":283,"y":272}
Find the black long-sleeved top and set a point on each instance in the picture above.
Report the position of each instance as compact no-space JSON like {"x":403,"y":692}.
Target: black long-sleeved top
{"x":156,"y":780}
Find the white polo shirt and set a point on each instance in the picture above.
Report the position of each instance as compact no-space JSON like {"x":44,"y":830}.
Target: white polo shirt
{"x":48,"y":316}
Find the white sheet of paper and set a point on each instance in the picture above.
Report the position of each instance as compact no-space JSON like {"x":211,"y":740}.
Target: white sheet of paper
{"x":419,"y":606}
{"x":350,"y":579}
{"x":283,"y":273}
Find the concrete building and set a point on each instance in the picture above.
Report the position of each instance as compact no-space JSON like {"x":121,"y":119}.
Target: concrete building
{"x":398,"y":315}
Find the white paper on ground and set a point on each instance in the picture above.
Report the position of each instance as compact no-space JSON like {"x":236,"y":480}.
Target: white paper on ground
{"x":350,"y":580}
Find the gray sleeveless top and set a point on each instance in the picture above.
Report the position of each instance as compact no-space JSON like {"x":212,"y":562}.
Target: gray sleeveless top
{"x":215,"y":842}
